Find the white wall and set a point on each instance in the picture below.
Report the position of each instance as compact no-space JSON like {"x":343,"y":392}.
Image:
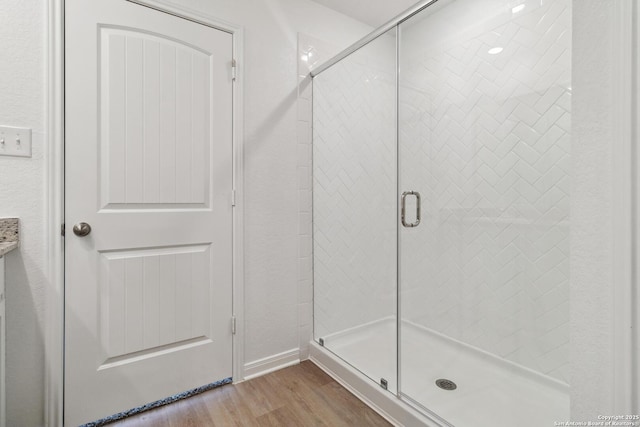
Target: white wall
{"x":22,"y":95}
{"x":592,"y":306}
{"x":271,"y":186}
{"x":271,"y":197}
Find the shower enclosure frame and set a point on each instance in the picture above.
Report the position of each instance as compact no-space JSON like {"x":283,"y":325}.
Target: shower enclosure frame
{"x":394,"y":406}
{"x":417,"y":8}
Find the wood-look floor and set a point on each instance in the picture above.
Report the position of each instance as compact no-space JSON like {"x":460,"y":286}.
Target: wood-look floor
{"x":301,"y":395}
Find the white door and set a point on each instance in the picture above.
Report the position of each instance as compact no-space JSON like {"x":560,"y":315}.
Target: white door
{"x":148,"y":300}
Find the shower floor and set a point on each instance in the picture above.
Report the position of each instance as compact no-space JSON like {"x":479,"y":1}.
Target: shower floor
{"x":490,"y":392}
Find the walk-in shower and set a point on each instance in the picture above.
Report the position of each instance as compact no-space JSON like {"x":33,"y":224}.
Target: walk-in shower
{"x":441,"y":186}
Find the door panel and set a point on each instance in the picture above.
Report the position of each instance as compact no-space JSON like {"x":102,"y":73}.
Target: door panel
{"x":153,"y":298}
{"x":155,"y":115}
{"x":149,"y":167}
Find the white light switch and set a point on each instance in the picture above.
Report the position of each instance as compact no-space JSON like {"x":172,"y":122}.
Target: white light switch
{"x":15,"y":141}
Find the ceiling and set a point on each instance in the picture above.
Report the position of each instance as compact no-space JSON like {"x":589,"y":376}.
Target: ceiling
{"x":374,"y":13}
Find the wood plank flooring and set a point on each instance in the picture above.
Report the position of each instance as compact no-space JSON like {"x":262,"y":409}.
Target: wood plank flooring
{"x":301,"y":395}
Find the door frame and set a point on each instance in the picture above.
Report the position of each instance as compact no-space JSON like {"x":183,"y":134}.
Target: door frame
{"x":54,"y":195}
{"x":625,"y":377}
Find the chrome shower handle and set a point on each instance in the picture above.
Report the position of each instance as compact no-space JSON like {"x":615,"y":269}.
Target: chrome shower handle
{"x":403,"y":209}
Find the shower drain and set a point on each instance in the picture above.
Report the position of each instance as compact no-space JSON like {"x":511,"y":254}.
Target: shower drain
{"x":446,"y":384}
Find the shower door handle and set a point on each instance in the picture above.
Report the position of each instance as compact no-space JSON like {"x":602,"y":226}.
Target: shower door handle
{"x":403,"y":209}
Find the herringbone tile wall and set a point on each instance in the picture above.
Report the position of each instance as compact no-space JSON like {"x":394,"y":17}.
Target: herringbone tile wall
{"x":354,"y":190}
{"x":311,"y":52}
{"x":486,"y":140}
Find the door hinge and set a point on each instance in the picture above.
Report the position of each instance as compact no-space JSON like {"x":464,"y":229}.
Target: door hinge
{"x":233,"y":325}
{"x":62,"y":230}
{"x":233,"y":197}
{"x":234,"y":70}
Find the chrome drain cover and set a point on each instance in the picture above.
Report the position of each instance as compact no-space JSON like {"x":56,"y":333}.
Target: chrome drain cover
{"x":446,"y":384}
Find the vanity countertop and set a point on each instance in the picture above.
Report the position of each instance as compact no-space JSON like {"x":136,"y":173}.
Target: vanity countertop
{"x":9,"y":235}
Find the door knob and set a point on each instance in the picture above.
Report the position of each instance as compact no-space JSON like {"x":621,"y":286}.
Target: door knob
{"x":81,"y":229}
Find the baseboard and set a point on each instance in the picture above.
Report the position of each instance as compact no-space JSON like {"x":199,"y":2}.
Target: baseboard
{"x":272,"y":363}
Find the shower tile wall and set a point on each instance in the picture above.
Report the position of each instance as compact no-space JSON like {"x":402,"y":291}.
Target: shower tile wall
{"x":354,"y":190}
{"x":311,"y":52}
{"x":486,"y":141}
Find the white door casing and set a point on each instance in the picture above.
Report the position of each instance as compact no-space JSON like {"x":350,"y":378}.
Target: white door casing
{"x":148,"y":293}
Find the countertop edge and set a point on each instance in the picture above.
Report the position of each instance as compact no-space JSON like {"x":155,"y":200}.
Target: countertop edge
{"x":7,"y":247}
{"x":9,"y":235}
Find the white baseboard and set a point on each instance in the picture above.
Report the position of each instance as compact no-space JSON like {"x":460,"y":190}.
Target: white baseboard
{"x":272,"y":363}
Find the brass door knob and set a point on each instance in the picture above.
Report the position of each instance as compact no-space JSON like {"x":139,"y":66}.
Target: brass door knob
{"x":81,"y":229}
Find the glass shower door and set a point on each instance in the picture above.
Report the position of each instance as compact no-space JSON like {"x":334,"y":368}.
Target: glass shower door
{"x":484,"y":176}
{"x":354,"y":209}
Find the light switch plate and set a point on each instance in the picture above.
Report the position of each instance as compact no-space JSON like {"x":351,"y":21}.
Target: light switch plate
{"x":15,"y":141}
